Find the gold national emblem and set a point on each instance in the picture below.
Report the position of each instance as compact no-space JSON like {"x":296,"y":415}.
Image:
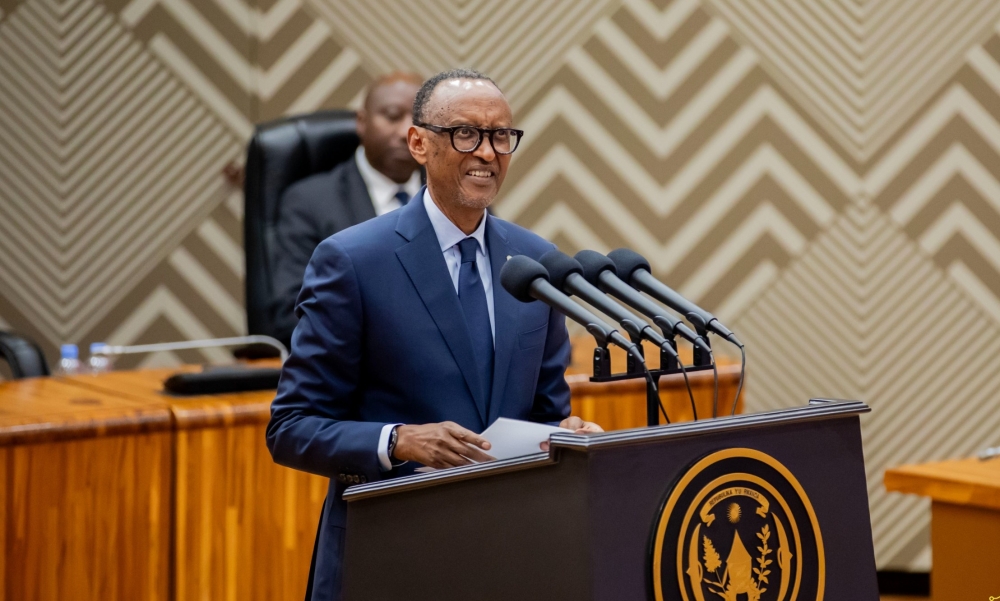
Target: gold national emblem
{"x":738,"y":526}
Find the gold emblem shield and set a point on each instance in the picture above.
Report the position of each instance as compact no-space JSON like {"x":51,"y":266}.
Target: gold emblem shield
{"x":738,"y":525}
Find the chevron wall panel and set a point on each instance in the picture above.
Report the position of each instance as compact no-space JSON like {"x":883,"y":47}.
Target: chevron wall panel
{"x":517,"y":42}
{"x":823,"y":174}
{"x":862,"y":68}
{"x":101,"y":143}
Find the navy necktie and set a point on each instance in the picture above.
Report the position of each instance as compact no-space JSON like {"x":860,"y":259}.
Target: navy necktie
{"x":472,"y":296}
{"x":402,"y":197}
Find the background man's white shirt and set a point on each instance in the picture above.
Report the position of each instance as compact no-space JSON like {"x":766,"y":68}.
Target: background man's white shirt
{"x":381,"y":189}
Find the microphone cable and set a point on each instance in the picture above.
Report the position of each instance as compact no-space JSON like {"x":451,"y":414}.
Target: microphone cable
{"x":653,"y":388}
{"x":687,"y":383}
{"x":715,"y":393}
{"x":743,"y":371}
{"x":694,"y":408}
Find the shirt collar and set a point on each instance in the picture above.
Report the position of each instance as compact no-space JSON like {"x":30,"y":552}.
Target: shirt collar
{"x":381,"y":189}
{"x":448,"y":234}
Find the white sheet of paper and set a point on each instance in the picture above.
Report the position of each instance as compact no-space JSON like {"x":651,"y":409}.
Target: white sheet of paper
{"x":513,"y":438}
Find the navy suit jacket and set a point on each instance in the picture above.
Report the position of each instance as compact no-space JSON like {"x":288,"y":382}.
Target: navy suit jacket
{"x":381,"y":339}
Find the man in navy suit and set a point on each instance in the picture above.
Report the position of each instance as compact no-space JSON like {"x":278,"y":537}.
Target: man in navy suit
{"x":406,"y":345}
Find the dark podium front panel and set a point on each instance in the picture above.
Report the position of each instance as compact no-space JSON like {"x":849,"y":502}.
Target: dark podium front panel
{"x":763,"y":507}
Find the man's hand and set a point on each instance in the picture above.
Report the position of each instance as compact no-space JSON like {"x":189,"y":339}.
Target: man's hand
{"x":439,"y":445}
{"x":577,"y":425}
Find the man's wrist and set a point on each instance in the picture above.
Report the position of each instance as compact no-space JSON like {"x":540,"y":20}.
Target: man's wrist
{"x":393,"y":437}
{"x":386,"y":463}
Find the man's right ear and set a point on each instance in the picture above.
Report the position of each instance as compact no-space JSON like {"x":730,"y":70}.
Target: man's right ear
{"x":360,"y":120}
{"x":417,"y":144}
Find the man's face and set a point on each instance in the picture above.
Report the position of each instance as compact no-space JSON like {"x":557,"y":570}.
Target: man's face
{"x":382,"y":127}
{"x":470,"y":180}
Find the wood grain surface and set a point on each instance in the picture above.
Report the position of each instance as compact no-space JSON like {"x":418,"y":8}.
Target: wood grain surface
{"x":86,"y":519}
{"x":197,"y":411}
{"x":50,"y":409}
{"x":965,"y":523}
{"x":112,"y":489}
{"x":244,"y":526}
{"x":962,"y":481}
{"x":965,"y":540}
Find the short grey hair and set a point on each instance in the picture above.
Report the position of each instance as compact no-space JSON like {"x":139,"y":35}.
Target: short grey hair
{"x":426,"y":90}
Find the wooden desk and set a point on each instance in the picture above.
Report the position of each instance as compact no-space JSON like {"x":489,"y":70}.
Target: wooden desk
{"x":85,"y":494}
{"x":965,"y":523}
{"x":110,"y":489}
{"x":244,"y":526}
{"x":622,"y":405}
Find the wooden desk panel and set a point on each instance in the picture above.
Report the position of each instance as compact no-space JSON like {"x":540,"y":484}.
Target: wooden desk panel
{"x":965,"y":523}
{"x":86,"y":519}
{"x":84,"y":494}
{"x":244,"y":526}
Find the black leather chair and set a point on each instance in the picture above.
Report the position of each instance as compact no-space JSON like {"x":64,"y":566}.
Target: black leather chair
{"x":24,"y":357}
{"x":281,"y":153}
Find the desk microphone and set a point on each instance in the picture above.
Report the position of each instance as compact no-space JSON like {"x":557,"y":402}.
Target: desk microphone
{"x":635,"y":270}
{"x":565,"y":273}
{"x":600,"y":271}
{"x":527,"y":280}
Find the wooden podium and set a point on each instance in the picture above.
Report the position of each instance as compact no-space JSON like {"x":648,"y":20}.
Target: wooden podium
{"x":764,"y":507}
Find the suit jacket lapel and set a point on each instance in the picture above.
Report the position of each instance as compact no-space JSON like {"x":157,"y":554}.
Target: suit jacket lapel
{"x":357,"y":198}
{"x":505,"y":313}
{"x":423,"y":261}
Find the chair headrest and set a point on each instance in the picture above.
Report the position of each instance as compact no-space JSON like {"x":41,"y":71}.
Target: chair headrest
{"x":284,"y":151}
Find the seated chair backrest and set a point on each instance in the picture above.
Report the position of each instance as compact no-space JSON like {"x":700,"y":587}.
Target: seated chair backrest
{"x":279,"y":154}
{"x":24,"y":357}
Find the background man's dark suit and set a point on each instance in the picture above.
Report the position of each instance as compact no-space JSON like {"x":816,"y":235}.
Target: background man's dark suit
{"x":381,"y":339}
{"x":312,"y":210}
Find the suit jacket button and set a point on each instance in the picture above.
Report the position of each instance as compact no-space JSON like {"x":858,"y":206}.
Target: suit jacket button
{"x":356,"y":479}
{"x":364,"y":479}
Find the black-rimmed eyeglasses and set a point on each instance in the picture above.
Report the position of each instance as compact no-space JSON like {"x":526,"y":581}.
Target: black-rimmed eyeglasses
{"x":466,"y":138}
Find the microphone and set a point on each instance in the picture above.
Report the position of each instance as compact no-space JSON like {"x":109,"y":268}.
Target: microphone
{"x":600,"y":271}
{"x":527,"y":280}
{"x":565,"y":273}
{"x":635,"y":270}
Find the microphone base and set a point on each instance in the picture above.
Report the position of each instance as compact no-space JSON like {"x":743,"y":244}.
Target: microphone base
{"x":700,"y":356}
{"x":602,"y":362}
{"x":657,"y":373}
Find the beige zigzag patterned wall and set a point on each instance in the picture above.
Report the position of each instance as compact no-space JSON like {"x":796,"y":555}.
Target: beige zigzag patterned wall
{"x":824,"y":175}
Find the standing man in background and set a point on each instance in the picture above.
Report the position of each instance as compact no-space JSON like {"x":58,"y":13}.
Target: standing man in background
{"x":382,"y":176}
{"x":407,"y":347}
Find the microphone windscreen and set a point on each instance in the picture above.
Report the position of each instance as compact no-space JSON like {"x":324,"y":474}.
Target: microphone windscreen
{"x":627,"y":261}
{"x":518,"y":273}
{"x":559,"y":265}
{"x":594,"y":264}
